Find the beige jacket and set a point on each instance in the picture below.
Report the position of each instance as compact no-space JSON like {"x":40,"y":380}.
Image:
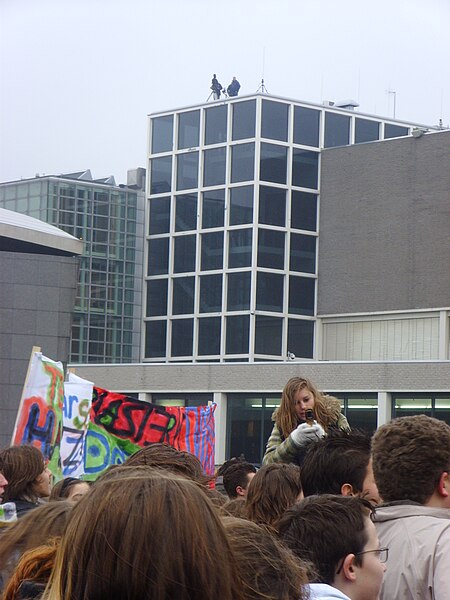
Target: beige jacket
{"x":418,"y":538}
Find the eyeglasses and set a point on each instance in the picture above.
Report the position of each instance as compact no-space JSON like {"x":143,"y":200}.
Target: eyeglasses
{"x":381,"y":553}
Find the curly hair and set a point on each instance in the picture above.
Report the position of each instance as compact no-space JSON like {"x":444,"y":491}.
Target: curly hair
{"x":272,"y":490}
{"x":409,"y":456}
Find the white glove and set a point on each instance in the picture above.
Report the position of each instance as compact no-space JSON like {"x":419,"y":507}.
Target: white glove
{"x":305,"y":433}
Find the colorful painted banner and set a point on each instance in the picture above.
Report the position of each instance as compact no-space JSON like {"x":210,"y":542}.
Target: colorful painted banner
{"x":82,"y":430}
{"x":76,"y":411}
{"x":120,"y":425}
{"x":39,"y":418}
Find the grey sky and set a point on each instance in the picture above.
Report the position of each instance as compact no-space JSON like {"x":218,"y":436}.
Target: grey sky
{"x":78,"y":77}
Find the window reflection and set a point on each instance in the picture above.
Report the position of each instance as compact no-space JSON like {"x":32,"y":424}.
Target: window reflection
{"x":215,"y":125}
{"x":244,"y":116}
{"x":273,"y":165}
{"x":274,"y":124}
{"x":188,"y":129}
{"x":242,"y":162}
{"x":162,"y":134}
{"x":268,"y":335}
{"x":306,"y":126}
{"x":337,"y":130}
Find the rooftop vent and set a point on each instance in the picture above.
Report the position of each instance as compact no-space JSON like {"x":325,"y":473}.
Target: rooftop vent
{"x":347,"y":104}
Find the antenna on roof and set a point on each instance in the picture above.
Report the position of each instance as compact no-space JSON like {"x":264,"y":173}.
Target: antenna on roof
{"x":393,"y":93}
{"x":262,"y":88}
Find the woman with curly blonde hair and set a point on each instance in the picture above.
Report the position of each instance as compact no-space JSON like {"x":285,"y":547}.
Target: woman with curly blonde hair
{"x":304,"y":415}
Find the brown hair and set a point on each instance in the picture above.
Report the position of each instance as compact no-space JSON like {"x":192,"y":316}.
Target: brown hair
{"x":144,"y":534}
{"x":285,"y":416}
{"x":409,"y":456}
{"x":21,"y":465}
{"x":61,"y":490}
{"x":35,"y":565}
{"x":35,"y":528}
{"x":325,"y":529}
{"x":237,"y":507}
{"x":268,"y":570}
{"x":168,"y":458}
{"x":272,"y":490}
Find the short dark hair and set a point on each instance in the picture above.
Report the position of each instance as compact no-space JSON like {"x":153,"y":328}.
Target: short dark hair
{"x":341,"y":457}
{"x":234,"y":473}
{"x":325,"y":529}
{"x":409,"y":456}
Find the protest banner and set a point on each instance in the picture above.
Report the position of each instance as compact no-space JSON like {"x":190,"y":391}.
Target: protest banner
{"x":120,"y":425}
{"x":39,"y":417}
{"x":76,"y":411}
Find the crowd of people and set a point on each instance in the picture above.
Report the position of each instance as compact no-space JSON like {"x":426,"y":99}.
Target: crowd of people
{"x":332,"y":513}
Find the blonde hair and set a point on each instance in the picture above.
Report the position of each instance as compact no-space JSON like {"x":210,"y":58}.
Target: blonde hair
{"x":285,"y":416}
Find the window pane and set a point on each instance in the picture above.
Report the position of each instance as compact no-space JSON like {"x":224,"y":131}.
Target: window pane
{"x":303,"y":253}
{"x":183,"y":295}
{"x":209,"y":336}
{"x":161,"y":175}
{"x":162,"y":134}
{"x":158,"y":256}
{"x":156,"y":298}
{"x":301,"y":338}
{"x":215,"y":125}
{"x":337,"y":128}
{"x":187,"y":170}
{"x":211,"y":293}
{"x":213,"y":209}
{"x":305,"y":167}
{"x":155,"y":339}
{"x":182,"y":331}
{"x":301,"y":296}
{"x":273,"y":163}
{"x":269,"y":292}
{"x":268,"y":335}
{"x":242,"y":162}
{"x":306,"y":126}
{"x":366,"y":131}
{"x":188,"y":129}
{"x":270,"y":249}
{"x":240,"y":248}
{"x":237,"y":334}
{"x":274,"y":120}
{"x":214,"y":166}
{"x":241,"y":205}
{"x":184,"y":254}
{"x":159,"y":215}
{"x":185,"y":212}
{"x":272,"y":206}
{"x":304,"y":211}
{"x":212,"y":251}
{"x":392,"y":131}
{"x":244,"y":116}
{"x":238,"y":297}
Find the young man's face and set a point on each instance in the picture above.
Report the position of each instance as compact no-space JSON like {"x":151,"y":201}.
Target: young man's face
{"x":369,"y":487}
{"x":371,"y":571}
{"x":242,"y":491}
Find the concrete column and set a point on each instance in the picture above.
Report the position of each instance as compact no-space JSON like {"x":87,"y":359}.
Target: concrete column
{"x":221,"y":426}
{"x":384,"y":408}
{"x":443,"y":334}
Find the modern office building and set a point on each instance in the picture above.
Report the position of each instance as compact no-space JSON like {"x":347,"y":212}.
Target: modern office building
{"x":233,"y":229}
{"x":275,"y":227}
{"x":109,"y":218}
{"x":39,"y":267}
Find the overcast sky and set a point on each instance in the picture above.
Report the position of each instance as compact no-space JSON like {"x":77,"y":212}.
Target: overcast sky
{"x":78,"y":77}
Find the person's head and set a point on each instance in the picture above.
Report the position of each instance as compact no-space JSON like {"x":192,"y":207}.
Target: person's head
{"x":411,"y":460}
{"x":268,"y":570}
{"x":298,"y":396}
{"x":237,"y":475}
{"x":71,"y":489}
{"x":3,"y":484}
{"x":340,"y":464}
{"x":236,"y":507}
{"x":27,"y":475}
{"x":168,"y":458}
{"x":142,"y":533}
{"x":337,"y":536}
{"x":35,"y":528}
{"x":273,"y":489}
